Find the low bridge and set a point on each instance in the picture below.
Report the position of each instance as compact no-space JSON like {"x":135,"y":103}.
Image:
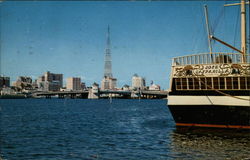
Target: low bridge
{"x":63,"y":94}
{"x":154,"y":94}
{"x":104,"y":94}
{"x":135,"y":94}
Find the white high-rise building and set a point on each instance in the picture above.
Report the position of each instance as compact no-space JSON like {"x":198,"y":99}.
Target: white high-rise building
{"x":74,"y":83}
{"x":138,"y":82}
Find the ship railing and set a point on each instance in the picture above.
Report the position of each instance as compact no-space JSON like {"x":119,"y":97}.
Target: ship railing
{"x":208,"y":58}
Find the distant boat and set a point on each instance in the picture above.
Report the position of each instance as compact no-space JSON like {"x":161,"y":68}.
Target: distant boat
{"x":212,"y":89}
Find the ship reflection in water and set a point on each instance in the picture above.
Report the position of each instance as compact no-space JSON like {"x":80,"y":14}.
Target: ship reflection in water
{"x":210,"y":144}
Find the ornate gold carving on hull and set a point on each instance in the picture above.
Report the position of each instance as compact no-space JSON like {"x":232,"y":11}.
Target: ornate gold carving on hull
{"x":212,"y":70}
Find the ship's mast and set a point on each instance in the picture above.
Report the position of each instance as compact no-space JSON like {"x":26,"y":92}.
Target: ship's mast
{"x":208,"y":29}
{"x":243,"y":27}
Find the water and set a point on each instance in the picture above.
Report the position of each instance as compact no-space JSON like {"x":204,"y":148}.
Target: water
{"x":76,"y":129}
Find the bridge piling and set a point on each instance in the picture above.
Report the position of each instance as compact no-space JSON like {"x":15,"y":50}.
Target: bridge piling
{"x":48,"y":96}
{"x":61,"y":96}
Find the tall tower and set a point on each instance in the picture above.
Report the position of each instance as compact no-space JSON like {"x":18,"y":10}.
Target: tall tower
{"x":108,"y":62}
{"x":108,"y":82}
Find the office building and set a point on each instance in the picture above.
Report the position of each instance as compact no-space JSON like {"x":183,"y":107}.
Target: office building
{"x":73,"y":84}
{"x":23,"y":82}
{"x":108,"y":83}
{"x":4,"y":82}
{"x":50,"y":82}
{"x":53,"y":77}
{"x":138,"y":82}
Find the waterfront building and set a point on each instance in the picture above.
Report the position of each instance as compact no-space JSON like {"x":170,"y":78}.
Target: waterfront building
{"x":125,"y":87}
{"x":50,"y":82}
{"x":23,"y":82}
{"x":49,"y":86}
{"x":108,"y":82}
{"x":39,"y":83}
{"x":4,"y":82}
{"x":7,"y":91}
{"x":83,"y":86}
{"x":53,"y":77}
{"x":63,"y":89}
{"x":39,"y":80}
{"x":154,"y":87}
{"x":138,"y":82}
{"x":74,"y":84}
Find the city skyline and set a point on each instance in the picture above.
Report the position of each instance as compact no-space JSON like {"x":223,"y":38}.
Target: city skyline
{"x":69,"y":37}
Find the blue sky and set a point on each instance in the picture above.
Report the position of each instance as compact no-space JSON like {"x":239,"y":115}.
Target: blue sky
{"x":70,"y":37}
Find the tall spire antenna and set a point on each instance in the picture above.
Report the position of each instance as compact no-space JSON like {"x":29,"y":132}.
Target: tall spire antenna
{"x":108,"y":38}
{"x":108,"y":62}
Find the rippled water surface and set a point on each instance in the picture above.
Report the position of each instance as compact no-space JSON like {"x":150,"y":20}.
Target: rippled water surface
{"x":72,"y":129}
